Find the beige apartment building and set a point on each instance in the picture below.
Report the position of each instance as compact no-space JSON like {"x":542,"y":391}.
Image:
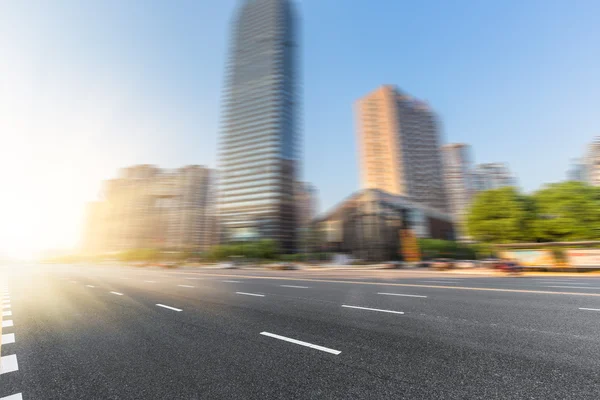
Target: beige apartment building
{"x":399,"y":147}
{"x":149,"y":207}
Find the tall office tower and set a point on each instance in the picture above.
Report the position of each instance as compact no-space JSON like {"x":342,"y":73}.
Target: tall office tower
{"x":457,"y":173}
{"x":577,"y":170}
{"x":306,"y":204}
{"x":592,"y":163}
{"x":399,"y":147}
{"x":258,"y":154}
{"x":491,"y":176}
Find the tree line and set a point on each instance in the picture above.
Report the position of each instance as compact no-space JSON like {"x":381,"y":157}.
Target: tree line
{"x":559,"y":212}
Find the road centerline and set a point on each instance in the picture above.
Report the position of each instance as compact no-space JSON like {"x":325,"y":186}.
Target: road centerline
{"x":301,"y":343}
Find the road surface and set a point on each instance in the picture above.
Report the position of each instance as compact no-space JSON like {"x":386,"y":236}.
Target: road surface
{"x":86,"y":332}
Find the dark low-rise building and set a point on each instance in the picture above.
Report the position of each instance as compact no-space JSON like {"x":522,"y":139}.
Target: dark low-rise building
{"x":368,"y":225}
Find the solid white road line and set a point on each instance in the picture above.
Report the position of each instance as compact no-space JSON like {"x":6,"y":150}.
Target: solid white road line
{"x":439,"y":282}
{"x":232,"y":281}
{"x":294,"y":286}
{"x":13,"y":397}
{"x":301,"y":343}
{"x":589,"y":309}
{"x":6,"y":313}
{"x":150,"y":281}
{"x":576,"y":287}
{"x":188,"y":286}
{"x":170,"y":308}
{"x":403,"y":295}
{"x":373,"y":309}
{"x":8,"y":338}
{"x":7,"y":324}
{"x":117,"y":293}
{"x":90,"y":286}
{"x":194,"y":279}
{"x":8,"y":364}
{"x":251,"y":294}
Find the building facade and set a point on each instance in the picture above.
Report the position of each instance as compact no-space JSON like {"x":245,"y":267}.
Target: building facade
{"x":491,"y":176}
{"x":259,"y":142}
{"x":306,"y":204}
{"x":592,"y":163}
{"x":457,"y":179}
{"x":368,"y":225}
{"x":148,"y":207}
{"x":399,"y":147}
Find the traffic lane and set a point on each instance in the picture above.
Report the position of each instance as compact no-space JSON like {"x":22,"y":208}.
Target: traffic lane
{"x":523,"y":311}
{"x":116,"y":347}
{"x":431,"y":350}
{"x":375,"y":276}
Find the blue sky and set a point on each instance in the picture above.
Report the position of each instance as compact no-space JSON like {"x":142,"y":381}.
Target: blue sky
{"x":91,"y":86}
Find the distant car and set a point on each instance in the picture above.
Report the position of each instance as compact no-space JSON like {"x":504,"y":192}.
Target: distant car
{"x":392,"y":265}
{"x":510,"y":267}
{"x":465,"y":264}
{"x":491,"y":263}
{"x":442,"y":264}
{"x":228,"y":265}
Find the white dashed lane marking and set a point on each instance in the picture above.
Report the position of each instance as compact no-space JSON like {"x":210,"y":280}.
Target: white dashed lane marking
{"x":6,"y":313}
{"x":6,"y":306}
{"x":8,"y":364}
{"x":186,"y":286}
{"x":403,"y":295}
{"x":92,"y":286}
{"x":8,"y":338}
{"x":7,"y":323}
{"x":117,"y":293}
{"x":13,"y":397}
{"x":373,"y":309}
{"x":232,"y":281}
{"x":250,"y":294}
{"x":150,"y":281}
{"x":296,"y":287}
{"x":169,"y":307}
{"x":301,"y":343}
{"x":589,"y":309}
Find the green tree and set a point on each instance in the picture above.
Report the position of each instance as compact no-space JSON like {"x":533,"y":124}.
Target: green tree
{"x":501,"y":216}
{"x":567,"y":211}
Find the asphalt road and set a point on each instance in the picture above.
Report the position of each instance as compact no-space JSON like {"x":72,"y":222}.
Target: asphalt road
{"x":125,"y":333}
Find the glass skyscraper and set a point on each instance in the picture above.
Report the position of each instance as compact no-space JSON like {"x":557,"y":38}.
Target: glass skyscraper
{"x":258,"y":150}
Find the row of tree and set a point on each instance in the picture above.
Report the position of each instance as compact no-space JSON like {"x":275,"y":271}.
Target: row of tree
{"x":566,"y":211}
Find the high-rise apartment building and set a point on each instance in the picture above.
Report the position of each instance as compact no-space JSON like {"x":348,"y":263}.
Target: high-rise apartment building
{"x":399,"y":147}
{"x":148,"y":207}
{"x":457,"y":178}
{"x":306,"y":204}
{"x":491,"y":176}
{"x":258,"y":154}
{"x":577,"y":170}
{"x":592,"y":163}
